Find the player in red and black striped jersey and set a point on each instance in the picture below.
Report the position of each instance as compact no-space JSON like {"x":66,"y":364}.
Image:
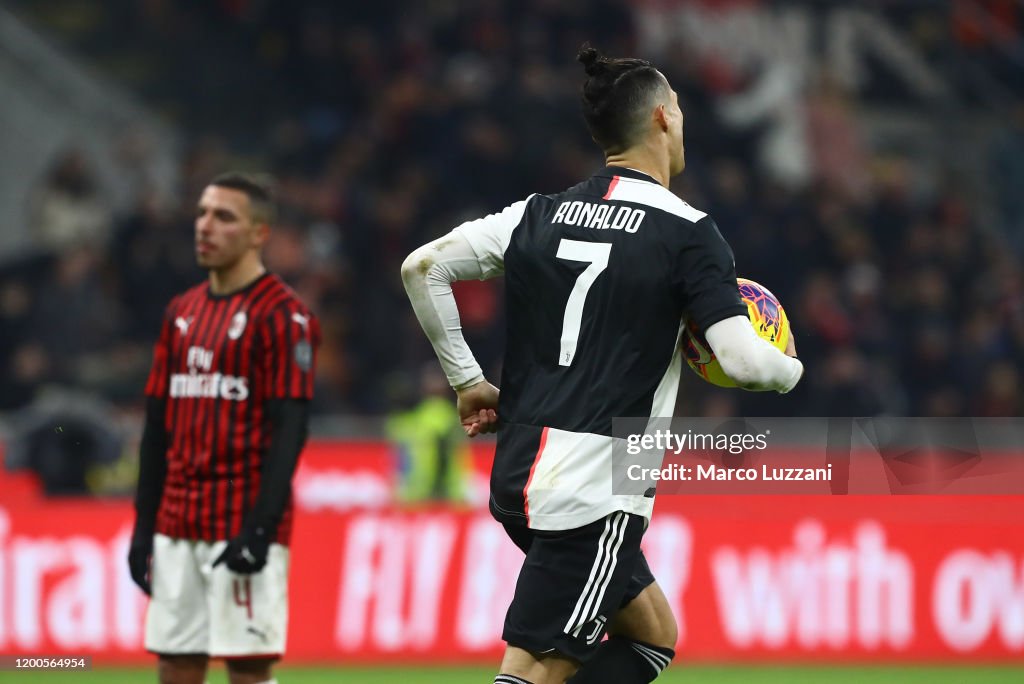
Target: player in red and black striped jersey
{"x":227,"y":414}
{"x":219,"y":362}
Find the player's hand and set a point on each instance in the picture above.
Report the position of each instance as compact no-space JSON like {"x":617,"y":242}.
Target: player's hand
{"x":791,"y":345}
{"x":246,"y":553}
{"x":477,"y":408}
{"x":140,"y":553}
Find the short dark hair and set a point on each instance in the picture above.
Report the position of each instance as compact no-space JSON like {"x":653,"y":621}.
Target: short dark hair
{"x":617,"y":97}
{"x":258,"y":188}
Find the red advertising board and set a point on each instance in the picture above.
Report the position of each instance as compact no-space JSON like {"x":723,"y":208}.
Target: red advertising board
{"x":759,"y":578}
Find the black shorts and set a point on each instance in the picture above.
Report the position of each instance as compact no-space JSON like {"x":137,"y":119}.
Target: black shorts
{"x":573,"y":582}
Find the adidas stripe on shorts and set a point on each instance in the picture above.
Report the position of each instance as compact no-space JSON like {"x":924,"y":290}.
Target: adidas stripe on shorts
{"x":573,"y":582}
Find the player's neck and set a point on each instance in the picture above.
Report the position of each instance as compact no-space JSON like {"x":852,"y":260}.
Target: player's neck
{"x":643,"y":160}
{"x":235,"y":277}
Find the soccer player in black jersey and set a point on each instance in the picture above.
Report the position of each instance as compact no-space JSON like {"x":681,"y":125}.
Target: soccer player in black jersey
{"x":599,"y":282}
{"x":226,"y":419}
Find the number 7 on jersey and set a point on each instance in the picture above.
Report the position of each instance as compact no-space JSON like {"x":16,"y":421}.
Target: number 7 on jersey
{"x":596,"y":254}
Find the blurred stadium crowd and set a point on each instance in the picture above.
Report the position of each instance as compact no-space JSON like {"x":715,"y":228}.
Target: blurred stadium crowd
{"x":386,"y":129}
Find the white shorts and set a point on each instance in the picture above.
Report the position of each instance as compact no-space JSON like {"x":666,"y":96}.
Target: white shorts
{"x":196,"y":608}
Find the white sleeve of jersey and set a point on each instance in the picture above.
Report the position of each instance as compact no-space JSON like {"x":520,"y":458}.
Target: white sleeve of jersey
{"x":428,"y":274}
{"x":489,"y":236}
{"x":753,"y":363}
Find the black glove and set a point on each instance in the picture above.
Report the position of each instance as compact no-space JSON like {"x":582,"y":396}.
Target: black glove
{"x":140,"y":552}
{"x":246,"y":553}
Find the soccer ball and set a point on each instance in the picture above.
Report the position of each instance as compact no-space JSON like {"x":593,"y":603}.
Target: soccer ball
{"x":766,"y":315}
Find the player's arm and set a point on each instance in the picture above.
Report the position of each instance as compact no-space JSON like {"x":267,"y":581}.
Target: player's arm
{"x":428,"y":274}
{"x":708,"y":275}
{"x":473,"y":250}
{"x":752,"y":362}
{"x":287,"y":373}
{"x":152,"y":459}
{"x":149,"y":491}
{"x":289,"y":425}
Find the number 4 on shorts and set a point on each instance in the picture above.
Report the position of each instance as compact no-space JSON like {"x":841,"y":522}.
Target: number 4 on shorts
{"x":243,"y":595}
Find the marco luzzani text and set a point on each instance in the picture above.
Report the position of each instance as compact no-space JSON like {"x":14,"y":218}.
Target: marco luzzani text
{"x":665,"y":441}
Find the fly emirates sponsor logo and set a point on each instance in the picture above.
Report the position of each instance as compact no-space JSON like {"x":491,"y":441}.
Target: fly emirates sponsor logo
{"x":200,"y":383}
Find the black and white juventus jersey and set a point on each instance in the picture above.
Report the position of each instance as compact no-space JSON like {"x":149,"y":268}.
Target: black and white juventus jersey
{"x":599,"y":280}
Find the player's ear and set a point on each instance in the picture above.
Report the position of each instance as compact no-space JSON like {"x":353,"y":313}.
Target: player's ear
{"x":261,"y":234}
{"x":661,"y":117}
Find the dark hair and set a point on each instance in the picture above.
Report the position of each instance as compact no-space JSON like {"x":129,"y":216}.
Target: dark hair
{"x":256,"y":187}
{"x":617,"y":97}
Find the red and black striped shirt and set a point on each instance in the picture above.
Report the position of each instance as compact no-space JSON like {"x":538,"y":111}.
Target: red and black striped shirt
{"x":218,"y":359}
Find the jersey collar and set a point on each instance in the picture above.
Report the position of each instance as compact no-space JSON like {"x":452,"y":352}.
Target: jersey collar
{"x":234,"y":293}
{"x":610,"y":171}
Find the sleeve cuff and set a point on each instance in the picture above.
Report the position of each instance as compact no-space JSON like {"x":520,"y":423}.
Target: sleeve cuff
{"x":462,"y":381}
{"x":720,"y":315}
{"x":794,"y":379}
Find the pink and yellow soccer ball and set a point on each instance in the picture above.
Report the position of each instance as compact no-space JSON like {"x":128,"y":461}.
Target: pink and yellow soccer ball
{"x":766,"y":315}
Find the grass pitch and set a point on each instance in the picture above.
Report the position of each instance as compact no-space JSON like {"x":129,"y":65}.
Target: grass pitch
{"x":678,"y":674}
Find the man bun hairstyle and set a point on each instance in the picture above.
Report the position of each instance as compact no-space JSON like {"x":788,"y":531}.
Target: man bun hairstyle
{"x":617,"y":97}
{"x":591,"y":59}
{"x":257,"y":187}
